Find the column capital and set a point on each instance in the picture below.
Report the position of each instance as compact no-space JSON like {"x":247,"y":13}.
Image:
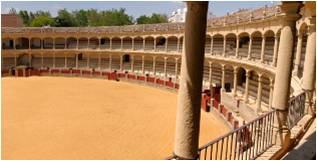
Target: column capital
{"x":260,"y":77}
{"x":247,"y":73}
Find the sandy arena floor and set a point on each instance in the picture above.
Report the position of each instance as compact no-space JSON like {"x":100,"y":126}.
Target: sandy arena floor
{"x":78,"y":118}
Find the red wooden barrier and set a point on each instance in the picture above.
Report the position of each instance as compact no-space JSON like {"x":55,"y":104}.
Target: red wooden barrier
{"x":121,"y":75}
{"x":141,"y":78}
{"x":169,"y":83}
{"x":55,"y":71}
{"x":86,"y":72}
{"x":151,"y":79}
{"x":35,"y":72}
{"x":131,"y":76}
{"x":66,"y":71}
{"x":159,"y":81}
{"x":96,"y":73}
{"x":177,"y":86}
{"x":4,"y":71}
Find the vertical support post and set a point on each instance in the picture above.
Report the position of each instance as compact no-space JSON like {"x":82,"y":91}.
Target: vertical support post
{"x":271,"y":93}
{"x":99,"y":61}
{"x":65,"y":65}
{"x":262,"y":48}
{"x":237,"y":46}
{"x":250,"y":48}
{"x":121,"y":62}
{"x":132,"y":63}
{"x":143,"y":65}
{"x":176,"y":70}
{"x":298,"y":52}
{"x":133,"y":43}
{"x":143,"y":44}
{"x":121,"y":46}
{"x":211,"y":44}
{"x":154,"y":44}
{"x":154,"y":66}
{"x":275,"y":50}
{"x":166,"y":44}
{"x":189,"y":95}
{"x":259,"y":94}
{"x":178,"y":43}
{"x":165,"y":67}
{"x":235,"y":75}
{"x":224,"y":46}
{"x":246,"y":91}
{"x":88,"y":61}
{"x":110,"y":62}
{"x":76,"y":56}
{"x":223,"y":77}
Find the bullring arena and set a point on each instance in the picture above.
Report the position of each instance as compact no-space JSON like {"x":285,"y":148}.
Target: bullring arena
{"x":111,"y":92}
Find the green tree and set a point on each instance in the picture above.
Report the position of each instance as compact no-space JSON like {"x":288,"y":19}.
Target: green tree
{"x":42,"y":21}
{"x":81,"y":17}
{"x":115,"y":17}
{"x":155,"y":18}
{"x":25,"y":17}
{"x":64,"y":19}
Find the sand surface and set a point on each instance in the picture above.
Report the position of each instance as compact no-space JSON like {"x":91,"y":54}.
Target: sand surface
{"x":80,"y":118}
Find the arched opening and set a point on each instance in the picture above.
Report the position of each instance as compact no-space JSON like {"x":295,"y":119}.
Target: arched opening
{"x":60,"y":59}
{"x":231,"y":44}
{"x":172,"y":44}
{"x":126,"y":61}
{"x":24,"y":59}
{"x":48,"y":59}
{"x":127,"y":43}
{"x":71,"y":60}
{"x":60,"y":43}
{"x":138,"y":43}
{"x":303,"y":31}
{"x":244,"y":40}
{"x":207,"y":44}
{"x":93,"y":60}
{"x":36,"y":60}
{"x":104,"y":61}
{"x":241,"y":79}
{"x":228,"y":77}
{"x":93,"y":43}
{"x":48,"y":43}
{"x":217,"y":47}
{"x":36,"y":43}
{"x":160,"y":43}
{"x":71,"y":43}
{"x":256,"y":45}
{"x":269,"y":46}
{"x":148,"y":64}
{"x":116,"y":43}
{"x":105,"y":43}
{"x":149,"y":43}
{"x":7,"y":43}
{"x":22,"y":43}
{"x":83,"y":43}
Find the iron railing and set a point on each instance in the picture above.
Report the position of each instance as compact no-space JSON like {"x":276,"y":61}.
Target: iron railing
{"x":296,"y":110}
{"x":246,"y":142}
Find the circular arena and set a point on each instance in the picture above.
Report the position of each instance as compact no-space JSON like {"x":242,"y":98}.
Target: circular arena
{"x":80,"y":118}
{"x":112,"y":92}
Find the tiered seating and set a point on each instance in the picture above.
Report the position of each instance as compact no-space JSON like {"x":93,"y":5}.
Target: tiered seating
{"x":93,"y":43}
{"x":243,"y":48}
{"x":47,"y":60}
{"x":269,"y":49}
{"x":116,"y":44}
{"x":170,"y":67}
{"x":148,"y":64}
{"x":59,"y":61}
{"x":256,"y":48}
{"x":71,"y":61}
{"x":104,"y":61}
{"x":138,"y":43}
{"x":217,"y":48}
{"x":115,"y":65}
{"x":127,"y":44}
{"x":7,"y":62}
{"x":172,"y":44}
{"x":37,"y":61}
{"x":83,"y":43}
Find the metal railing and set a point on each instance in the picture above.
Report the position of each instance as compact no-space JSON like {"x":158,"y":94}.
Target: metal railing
{"x":247,"y":142}
{"x":296,"y":109}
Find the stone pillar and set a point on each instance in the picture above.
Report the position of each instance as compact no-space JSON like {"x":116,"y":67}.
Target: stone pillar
{"x":178,"y":42}
{"x":224,"y":47}
{"x":262,"y":49}
{"x":223,"y":78}
{"x":166,"y":44}
{"x":77,"y":45}
{"x":132,"y":63}
{"x":271,"y":93}
{"x":99,"y":61}
{"x":250,"y":47}
{"x":76,"y":56}
{"x":165,"y":64}
{"x":121,"y":43}
{"x":110,"y":45}
{"x":53,"y":59}
{"x":298,"y":52}
{"x":237,"y":46}
{"x":259,"y":95}
{"x":132,"y":43}
{"x":121,"y":62}
{"x":110,"y":62}
{"x":42,"y":60}
{"x":88,"y":61}
{"x":235,"y":75}
{"x":211,"y":44}
{"x":189,"y":95}
{"x":309,"y":73}
{"x":143,"y":44}
{"x":246,"y":91}
{"x":281,"y":93}
{"x":65,"y":66}
{"x":143,"y":64}
{"x":155,"y":44}
{"x":154,"y":65}
{"x":275,"y":50}
{"x":176,"y":71}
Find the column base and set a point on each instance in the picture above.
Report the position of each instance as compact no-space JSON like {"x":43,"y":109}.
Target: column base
{"x":176,"y":157}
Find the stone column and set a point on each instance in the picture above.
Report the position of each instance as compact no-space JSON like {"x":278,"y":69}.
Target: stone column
{"x":178,"y":42}
{"x":176,"y":71}
{"x":121,"y":62}
{"x":235,"y":75}
{"x":166,"y":44}
{"x":237,"y":46}
{"x":110,"y":62}
{"x":262,"y":49}
{"x":275,"y":50}
{"x":121,"y":43}
{"x":77,"y":45}
{"x":132,"y":43}
{"x":42,"y":60}
{"x":211,"y":44}
{"x":259,"y":95}
{"x":250,"y":47}
{"x":53,"y":59}
{"x":224,"y":46}
{"x":298,"y":52}
{"x":246,"y":91}
{"x":165,"y":63}
{"x":271,"y":93}
{"x":143,"y":64}
{"x":99,"y":61}
{"x":155,"y":44}
{"x":132,"y":63}
{"x":65,"y":65}
{"x":154,"y":65}
{"x":88,"y":61}
{"x":110,"y":45}
{"x":223,"y":77}
{"x":189,"y":95}
{"x":76,"y":56}
{"x":309,"y":73}
{"x":281,"y":93}
{"x":143,"y":44}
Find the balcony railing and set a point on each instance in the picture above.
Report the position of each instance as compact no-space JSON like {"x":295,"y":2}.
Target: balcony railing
{"x":296,"y":110}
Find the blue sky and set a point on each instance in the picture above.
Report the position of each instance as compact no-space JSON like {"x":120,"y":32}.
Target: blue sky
{"x":134,"y":8}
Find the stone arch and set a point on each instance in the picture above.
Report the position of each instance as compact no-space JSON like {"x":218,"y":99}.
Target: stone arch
{"x":22,"y":43}
{"x":256,"y":45}
{"x":83,"y":43}
{"x":231,"y":43}
{"x":116,"y":43}
{"x":7,"y":43}
{"x":138,"y":43}
{"x":71,"y":43}
{"x":36,"y":43}
{"x":217,"y":47}
{"x":303,"y":30}
{"x":149,"y":43}
{"x":93,"y":43}
{"x":48,"y":43}
{"x":208,"y":43}
{"x":60,"y":43}
{"x":244,"y":40}
{"x":148,"y":64}
{"x":160,"y":43}
{"x":172,"y":43}
{"x":229,"y":74}
{"x":269,"y":46}
{"x":127,"y":43}
{"x":105,"y":43}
